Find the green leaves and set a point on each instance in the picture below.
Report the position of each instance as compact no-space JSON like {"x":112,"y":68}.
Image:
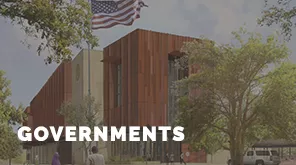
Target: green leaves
{"x":9,"y":142}
{"x":243,"y":92}
{"x":10,"y":145}
{"x":8,"y":113}
{"x":281,"y":14}
{"x":80,"y":115}
{"x":59,"y":24}
{"x":87,"y":113}
{"x":280,"y":93}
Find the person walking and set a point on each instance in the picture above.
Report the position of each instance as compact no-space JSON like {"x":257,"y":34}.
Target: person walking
{"x":27,"y":162}
{"x":36,"y":160}
{"x":182,"y":158}
{"x":147,"y":157}
{"x":56,"y":159}
{"x":95,"y":158}
{"x":167,"y":158}
{"x":172,"y":158}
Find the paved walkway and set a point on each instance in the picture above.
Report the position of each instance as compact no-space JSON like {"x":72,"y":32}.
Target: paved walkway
{"x":289,"y":162}
{"x":283,"y":163}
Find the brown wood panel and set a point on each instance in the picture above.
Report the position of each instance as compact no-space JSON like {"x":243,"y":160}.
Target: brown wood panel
{"x":129,"y":80}
{"x":134,"y":75}
{"x":141,"y":81}
{"x":195,"y":157}
{"x":26,"y":122}
{"x":157,"y":46}
{"x":50,"y":97}
{"x":126,"y":56}
{"x":48,"y":102}
{"x":161,"y":110}
{"x":144,"y":59}
{"x":123,"y":54}
{"x":125,"y":49}
{"x":106,"y":87}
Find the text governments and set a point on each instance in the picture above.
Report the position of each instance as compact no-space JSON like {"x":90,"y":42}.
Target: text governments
{"x":134,"y":133}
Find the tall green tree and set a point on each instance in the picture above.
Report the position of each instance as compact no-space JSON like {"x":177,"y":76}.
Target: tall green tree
{"x":236,"y":99}
{"x":59,"y":24}
{"x":282,"y":13}
{"x":10,"y":144}
{"x":9,"y":115}
{"x":87,"y":113}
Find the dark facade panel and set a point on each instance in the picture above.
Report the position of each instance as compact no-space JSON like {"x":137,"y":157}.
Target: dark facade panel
{"x":64,"y":149}
{"x":55,"y":91}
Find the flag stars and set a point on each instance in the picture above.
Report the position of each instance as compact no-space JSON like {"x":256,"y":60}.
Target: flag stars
{"x":106,"y":7}
{"x":107,"y":14}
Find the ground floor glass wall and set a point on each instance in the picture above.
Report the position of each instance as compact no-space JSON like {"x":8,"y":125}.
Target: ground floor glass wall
{"x":129,"y":150}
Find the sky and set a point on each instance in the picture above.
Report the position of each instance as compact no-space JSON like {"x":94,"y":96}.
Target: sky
{"x":214,"y":19}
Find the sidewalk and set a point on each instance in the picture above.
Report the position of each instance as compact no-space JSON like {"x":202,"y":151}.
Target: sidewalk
{"x":289,"y":162}
{"x":176,"y":163}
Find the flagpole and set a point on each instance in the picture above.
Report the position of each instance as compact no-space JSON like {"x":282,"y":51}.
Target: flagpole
{"x":89,"y":93}
{"x":89,"y":67}
{"x":88,"y":52}
{"x":141,"y":4}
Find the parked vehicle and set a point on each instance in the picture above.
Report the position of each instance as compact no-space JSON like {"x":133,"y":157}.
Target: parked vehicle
{"x":260,"y":157}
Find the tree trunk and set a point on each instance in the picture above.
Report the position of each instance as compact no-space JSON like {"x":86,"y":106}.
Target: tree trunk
{"x":86,"y":154}
{"x":211,"y":158}
{"x":238,"y":160}
{"x":9,"y":161}
{"x":236,"y":151}
{"x":86,"y":150}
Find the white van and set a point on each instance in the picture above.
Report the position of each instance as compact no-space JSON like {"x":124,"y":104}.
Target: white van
{"x":260,"y":157}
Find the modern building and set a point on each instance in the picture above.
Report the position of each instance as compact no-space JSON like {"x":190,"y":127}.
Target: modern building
{"x":80,"y":86}
{"x":59,"y":88}
{"x":138,"y":73}
{"x":132,"y":80}
{"x":43,"y":112}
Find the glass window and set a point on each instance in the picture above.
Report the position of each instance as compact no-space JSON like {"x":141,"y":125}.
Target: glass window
{"x":262,"y":153}
{"x":182,"y":73}
{"x":250,"y":153}
{"x":274,"y":153}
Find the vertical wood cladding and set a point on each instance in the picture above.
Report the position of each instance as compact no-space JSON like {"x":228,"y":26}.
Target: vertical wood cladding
{"x":29,"y":121}
{"x":55,"y":91}
{"x":124,"y":52}
{"x":144,"y":58}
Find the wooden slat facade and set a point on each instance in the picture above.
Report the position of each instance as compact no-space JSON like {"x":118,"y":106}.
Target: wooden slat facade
{"x":144,"y":58}
{"x":55,"y":91}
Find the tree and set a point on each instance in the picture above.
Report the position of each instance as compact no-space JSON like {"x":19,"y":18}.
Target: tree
{"x":236,"y":98}
{"x":10,"y":144}
{"x":282,"y":13}
{"x":80,"y":115}
{"x":59,"y":24}
{"x":9,"y":115}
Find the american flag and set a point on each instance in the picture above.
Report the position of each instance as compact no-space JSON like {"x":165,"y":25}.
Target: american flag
{"x":108,"y":13}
